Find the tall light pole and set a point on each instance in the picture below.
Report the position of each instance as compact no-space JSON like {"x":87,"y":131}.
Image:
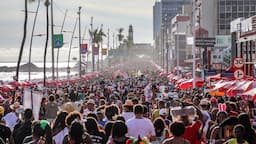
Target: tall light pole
{"x":93,"y":44}
{"x":166,"y":43}
{"x":177,"y":50}
{"x":79,"y":25}
{"x":193,"y":46}
{"x":52,"y":33}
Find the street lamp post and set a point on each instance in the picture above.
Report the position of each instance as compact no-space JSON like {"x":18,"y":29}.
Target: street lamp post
{"x":193,"y":46}
{"x":52,"y":33}
{"x":79,"y":25}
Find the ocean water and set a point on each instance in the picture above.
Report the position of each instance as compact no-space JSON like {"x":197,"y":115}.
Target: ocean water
{"x":8,"y":76}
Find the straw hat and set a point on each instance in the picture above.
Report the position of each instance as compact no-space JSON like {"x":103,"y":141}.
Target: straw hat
{"x":91,"y":101}
{"x":69,"y":107}
{"x":1,"y":111}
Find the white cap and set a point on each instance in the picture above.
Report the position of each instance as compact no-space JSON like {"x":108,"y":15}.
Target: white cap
{"x":163,"y":112}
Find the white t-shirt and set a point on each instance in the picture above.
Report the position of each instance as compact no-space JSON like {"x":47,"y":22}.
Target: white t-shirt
{"x":58,"y":139}
{"x":128,"y":115}
{"x":140,"y":127}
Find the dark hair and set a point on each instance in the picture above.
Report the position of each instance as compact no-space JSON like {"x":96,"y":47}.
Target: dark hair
{"x":43,"y":99}
{"x":119,"y":129}
{"x":177,"y":128}
{"x":76,"y":132}
{"x":138,"y":109}
{"x":111,"y":111}
{"x":92,"y":115}
{"x":39,"y":131}
{"x":28,"y":114}
{"x":91,"y":125}
{"x":159,"y":126}
{"x":145,"y":109}
{"x":60,"y":121}
{"x":120,"y":118}
{"x":244,"y":120}
{"x":71,"y":117}
{"x":108,"y":128}
{"x":51,"y":98}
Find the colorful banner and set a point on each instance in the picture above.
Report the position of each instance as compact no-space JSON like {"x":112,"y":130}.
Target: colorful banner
{"x":104,"y":51}
{"x":95,"y":50}
{"x":84,"y":48}
{"x":57,"y":40}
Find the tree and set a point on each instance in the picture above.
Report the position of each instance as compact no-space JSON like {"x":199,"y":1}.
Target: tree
{"x":120,"y":35}
{"x":97,"y":38}
{"x":47,"y":37}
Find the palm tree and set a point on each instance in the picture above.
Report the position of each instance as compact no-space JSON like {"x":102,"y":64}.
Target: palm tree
{"x":23,"y":40}
{"x":120,"y":37}
{"x":97,"y":38}
{"x":47,"y":37}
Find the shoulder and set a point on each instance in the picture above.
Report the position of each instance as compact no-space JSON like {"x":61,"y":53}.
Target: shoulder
{"x":168,"y":141}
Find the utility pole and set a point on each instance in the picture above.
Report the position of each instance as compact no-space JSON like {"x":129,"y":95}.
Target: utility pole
{"x":108,"y":47}
{"x":101,"y":52}
{"x":58,"y":51}
{"x":79,"y":25}
{"x":93,"y":44}
{"x":167,"y":46}
{"x":52,"y":25}
{"x":193,"y":46}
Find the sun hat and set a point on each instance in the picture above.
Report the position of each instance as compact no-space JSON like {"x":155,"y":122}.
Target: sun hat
{"x":90,"y":101}
{"x":163,"y":112}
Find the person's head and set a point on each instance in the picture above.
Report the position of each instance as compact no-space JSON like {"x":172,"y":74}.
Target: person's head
{"x":239,"y":131}
{"x":159,"y":126}
{"x":75,"y":115}
{"x":221,"y":116}
{"x":205,"y":104}
{"x":138,"y":110}
{"x":108,"y":128}
{"x":100,"y":116}
{"x":145,"y":111}
{"x":119,"y":129}
{"x":214,"y":102}
{"x":28,"y":114}
{"x":228,"y":125}
{"x":91,"y":104}
{"x":244,"y":120}
{"x":111,"y":111}
{"x":233,"y":106}
{"x":91,"y":125}
{"x":185,"y":120}
{"x":135,"y":101}
{"x":92,"y":115}
{"x":76,"y":132}
{"x":42,"y":129}
{"x":177,"y":129}
{"x":196,"y":101}
{"x":161,"y":104}
{"x":120,"y":118}
{"x":60,"y":120}
{"x":51,"y":98}
{"x":43,"y":102}
{"x":128,"y":106}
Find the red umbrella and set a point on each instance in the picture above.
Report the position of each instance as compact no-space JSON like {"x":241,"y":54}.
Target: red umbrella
{"x":189,"y":83}
{"x":14,"y":83}
{"x":215,"y":77}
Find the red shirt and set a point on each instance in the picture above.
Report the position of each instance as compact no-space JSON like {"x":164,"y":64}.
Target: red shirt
{"x":191,"y":133}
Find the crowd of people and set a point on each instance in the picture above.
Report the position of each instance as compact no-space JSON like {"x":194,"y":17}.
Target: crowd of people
{"x":140,"y":109}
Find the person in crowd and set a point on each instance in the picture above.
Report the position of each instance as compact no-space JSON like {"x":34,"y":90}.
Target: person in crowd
{"x":239,"y":131}
{"x":42,"y":111}
{"x":249,"y":133}
{"x":77,"y":134}
{"x":177,"y":129}
{"x":51,"y":109}
{"x":59,"y":129}
{"x":100,"y":118}
{"x":160,"y":130}
{"x":128,"y":110}
{"x":215,"y":130}
{"x":41,"y":133}
{"x":90,"y":108}
{"x":163,"y":114}
{"x":65,"y":98}
{"x":140,"y":126}
{"x":23,"y":129}
{"x":118,"y":133}
{"x":111,"y":112}
{"x":5,"y":132}
{"x":97,"y":136}
{"x":155,"y":113}
{"x":11,"y":119}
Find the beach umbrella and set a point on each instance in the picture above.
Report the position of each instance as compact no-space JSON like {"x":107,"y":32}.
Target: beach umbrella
{"x":240,"y":87}
{"x":189,"y":83}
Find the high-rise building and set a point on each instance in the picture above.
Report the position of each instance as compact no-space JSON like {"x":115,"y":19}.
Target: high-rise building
{"x":166,"y":9}
{"x":228,"y":10}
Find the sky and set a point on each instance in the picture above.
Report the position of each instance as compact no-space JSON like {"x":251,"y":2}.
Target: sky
{"x":113,"y":14}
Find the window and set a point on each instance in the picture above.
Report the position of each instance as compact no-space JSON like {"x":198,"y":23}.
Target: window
{"x":252,"y":8}
{"x":240,"y":8}
{"x":228,"y":8}
{"x":222,"y":8}
{"x":214,"y":56}
{"x":246,"y":8}
{"x":222,"y":15}
{"x":234,"y":8}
